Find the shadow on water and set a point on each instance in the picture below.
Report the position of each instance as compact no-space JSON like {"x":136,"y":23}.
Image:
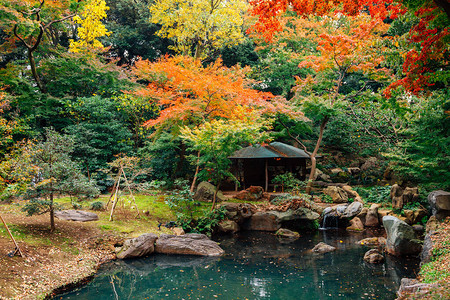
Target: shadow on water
{"x":257,"y":265}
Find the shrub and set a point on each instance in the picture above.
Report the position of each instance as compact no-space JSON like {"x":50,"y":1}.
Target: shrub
{"x":97,"y":205}
{"x":375,"y":194}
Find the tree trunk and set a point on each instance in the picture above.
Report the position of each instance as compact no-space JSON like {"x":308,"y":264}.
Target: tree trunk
{"x":215,"y":196}
{"x":52,"y":214}
{"x":313,"y":155}
{"x":196,"y":173}
{"x":34,"y":71}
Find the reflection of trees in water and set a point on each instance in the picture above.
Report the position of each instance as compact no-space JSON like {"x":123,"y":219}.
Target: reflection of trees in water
{"x":256,"y":266}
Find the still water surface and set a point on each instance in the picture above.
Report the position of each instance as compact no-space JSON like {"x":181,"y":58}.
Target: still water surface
{"x":257,"y":265}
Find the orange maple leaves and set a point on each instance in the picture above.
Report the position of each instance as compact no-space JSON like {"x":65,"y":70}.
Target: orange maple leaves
{"x":188,"y":92}
{"x":268,"y":11}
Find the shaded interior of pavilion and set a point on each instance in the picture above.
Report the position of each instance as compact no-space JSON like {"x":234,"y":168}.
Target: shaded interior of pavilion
{"x":258,"y":165}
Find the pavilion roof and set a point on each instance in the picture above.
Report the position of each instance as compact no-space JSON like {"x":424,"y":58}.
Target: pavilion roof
{"x":272,"y":150}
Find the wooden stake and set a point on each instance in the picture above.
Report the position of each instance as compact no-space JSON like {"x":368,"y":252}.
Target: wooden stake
{"x":114,"y":188}
{"x":131,"y":193}
{"x":115,"y":199}
{"x":12,"y":238}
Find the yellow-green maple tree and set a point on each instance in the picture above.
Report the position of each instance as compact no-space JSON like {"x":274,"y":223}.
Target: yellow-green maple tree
{"x":198,"y":27}
{"x":91,"y":28}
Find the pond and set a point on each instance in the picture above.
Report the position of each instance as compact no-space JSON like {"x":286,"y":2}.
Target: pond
{"x":257,"y":265}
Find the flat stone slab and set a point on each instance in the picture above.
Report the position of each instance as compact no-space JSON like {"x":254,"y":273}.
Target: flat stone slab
{"x":187,"y":244}
{"x":76,"y":215}
{"x":138,"y":247}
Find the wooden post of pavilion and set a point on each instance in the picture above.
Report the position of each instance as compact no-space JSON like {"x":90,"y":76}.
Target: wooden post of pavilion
{"x":267,"y":175}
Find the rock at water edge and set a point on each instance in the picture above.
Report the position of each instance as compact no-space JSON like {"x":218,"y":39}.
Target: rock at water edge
{"x":355,"y":225}
{"x":323,"y":248}
{"x":373,"y":257}
{"x":188,"y":244}
{"x":352,"y":210}
{"x":372,"y":216}
{"x":138,"y":247}
{"x":228,"y":226}
{"x":286,"y":233}
{"x":401,"y":239}
{"x":263,"y":221}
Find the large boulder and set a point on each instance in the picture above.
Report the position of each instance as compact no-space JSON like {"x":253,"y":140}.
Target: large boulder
{"x":401,"y":239}
{"x":205,"y":192}
{"x":138,"y":247}
{"x":286,"y":233}
{"x":301,"y":213}
{"x":323,"y":248}
{"x":319,"y":175}
{"x":440,"y":204}
{"x":372,"y":216}
{"x":253,"y":193}
{"x":263,"y":221}
{"x":76,"y":215}
{"x":352,"y":210}
{"x":426,"y":254}
{"x":352,"y":194}
{"x":363,"y":213}
{"x":400,"y":196}
{"x":337,"y":194}
{"x":238,"y":212}
{"x":373,"y":257}
{"x":188,"y":244}
{"x":355,"y":225}
{"x":414,"y":216}
{"x":410,"y":286}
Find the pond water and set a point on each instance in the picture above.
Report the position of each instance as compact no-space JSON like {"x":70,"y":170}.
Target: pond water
{"x":257,"y":265}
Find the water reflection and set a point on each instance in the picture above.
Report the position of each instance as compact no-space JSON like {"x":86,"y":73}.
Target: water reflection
{"x":256,"y":266}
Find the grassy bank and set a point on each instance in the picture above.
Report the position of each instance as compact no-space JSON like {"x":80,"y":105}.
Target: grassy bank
{"x":75,"y":250}
{"x":437,"y":271}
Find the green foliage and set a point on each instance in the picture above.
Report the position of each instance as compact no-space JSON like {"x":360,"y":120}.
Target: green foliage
{"x":39,"y":206}
{"x":80,"y":75}
{"x":375,"y":194}
{"x":76,"y":205}
{"x":430,"y":274}
{"x":327,"y":198}
{"x":243,"y":54}
{"x":99,"y":134}
{"x":209,"y":220}
{"x":182,"y":203}
{"x":97,"y":205}
{"x":133,"y":36}
{"x":219,"y":139}
{"x":56,"y":174}
{"x":366,"y":125}
{"x":289,"y":182}
{"x":190,"y":215}
{"x":423,"y":155}
{"x":166,"y":156}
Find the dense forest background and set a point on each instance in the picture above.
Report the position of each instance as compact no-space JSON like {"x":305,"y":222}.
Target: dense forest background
{"x":155,"y":81}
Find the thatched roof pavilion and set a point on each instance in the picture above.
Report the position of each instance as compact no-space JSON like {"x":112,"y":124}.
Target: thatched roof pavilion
{"x":258,"y":165}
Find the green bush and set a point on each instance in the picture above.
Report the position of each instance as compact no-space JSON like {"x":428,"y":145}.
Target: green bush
{"x":375,"y":194}
{"x":97,"y":205}
{"x":289,"y":182}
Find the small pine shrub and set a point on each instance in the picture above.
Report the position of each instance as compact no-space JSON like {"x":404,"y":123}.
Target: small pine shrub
{"x":97,"y":205}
